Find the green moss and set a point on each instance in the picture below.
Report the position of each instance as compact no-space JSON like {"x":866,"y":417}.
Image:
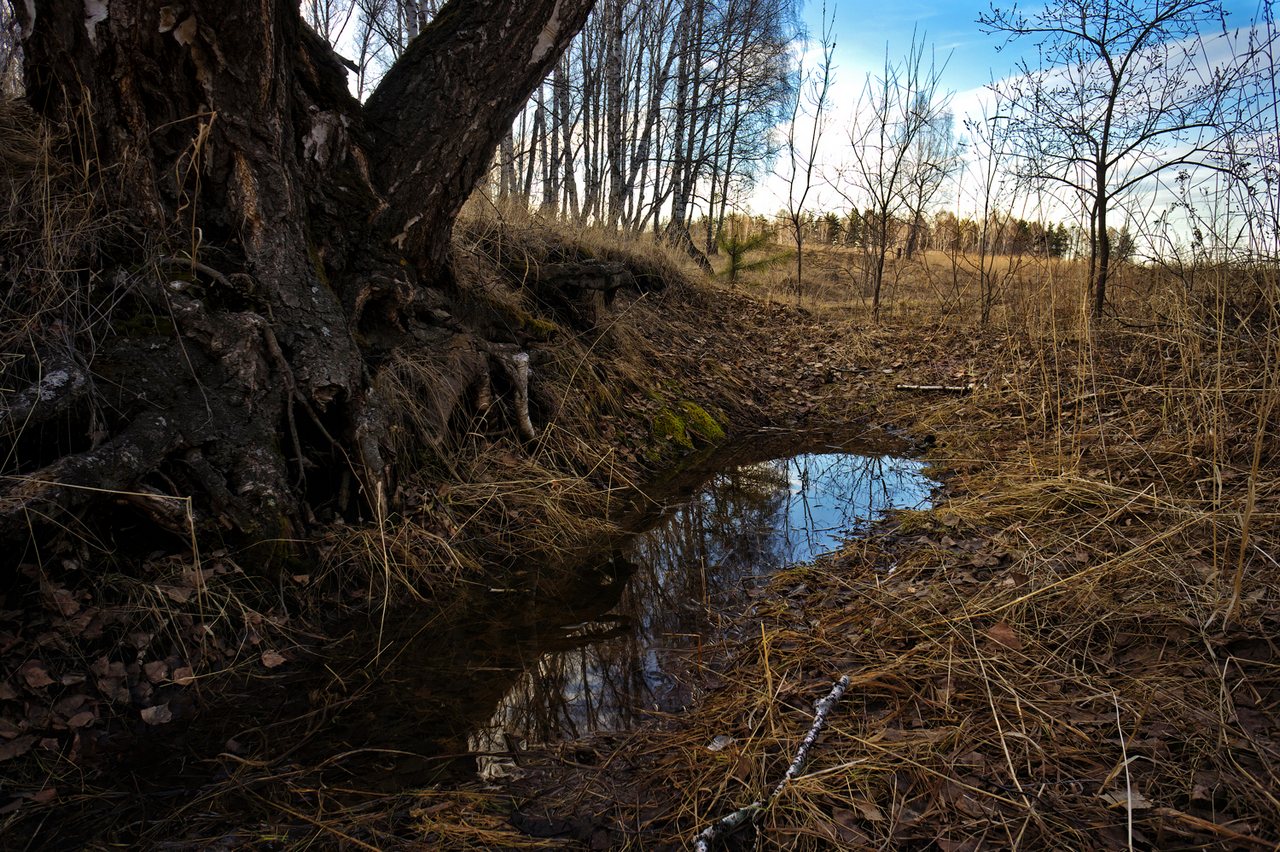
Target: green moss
{"x":668,"y":426}
{"x":701,"y":424}
{"x":540,"y":328}
{"x":681,"y":425}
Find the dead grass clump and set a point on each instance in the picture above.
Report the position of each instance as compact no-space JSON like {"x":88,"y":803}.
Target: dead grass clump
{"x":520,"y":242}
{"x":1017,"y":682}
{"x":53,"y":223}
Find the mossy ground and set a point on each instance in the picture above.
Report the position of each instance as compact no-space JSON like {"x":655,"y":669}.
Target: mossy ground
{"x":679,"y":427}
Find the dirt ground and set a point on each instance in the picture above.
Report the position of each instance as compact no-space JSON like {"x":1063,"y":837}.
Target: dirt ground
{"x":1075,"y":648}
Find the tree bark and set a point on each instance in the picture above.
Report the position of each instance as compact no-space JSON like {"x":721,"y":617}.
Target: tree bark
{"x":615,"y":109}
{"x":292,"y":236}
{"x":438,"y":113}
{"x":1101,"y":254}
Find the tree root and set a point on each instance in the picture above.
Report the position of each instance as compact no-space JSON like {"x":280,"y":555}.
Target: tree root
{"x":515,"y":364}
{"x":74,"y":481}
{"x":63,"y":382}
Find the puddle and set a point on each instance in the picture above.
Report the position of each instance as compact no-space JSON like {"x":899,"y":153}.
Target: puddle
{"x":512,"y":672}
{"x":460,"y":689}
{"x":746,"y":521}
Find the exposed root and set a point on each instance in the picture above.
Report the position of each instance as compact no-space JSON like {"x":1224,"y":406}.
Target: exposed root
{"x":74,"y":481}
{"x":515,"y":364}
{"x":62,"y":384}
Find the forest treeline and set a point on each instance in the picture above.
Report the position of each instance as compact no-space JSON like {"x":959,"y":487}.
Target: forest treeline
{"x":944,"y":231}
{"x":658,"y":108}
{"x":664,"y":114}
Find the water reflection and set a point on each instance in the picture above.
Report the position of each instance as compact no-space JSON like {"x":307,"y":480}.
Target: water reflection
{"x":457,"y":687}
{"x":699,"y":557}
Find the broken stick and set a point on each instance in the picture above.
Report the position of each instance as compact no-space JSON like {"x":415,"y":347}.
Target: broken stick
{"x":727,"y":825}
{"x":935,"y":388}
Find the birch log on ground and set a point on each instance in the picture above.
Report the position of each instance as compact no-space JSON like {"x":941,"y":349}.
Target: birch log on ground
{"x":722,"y":828}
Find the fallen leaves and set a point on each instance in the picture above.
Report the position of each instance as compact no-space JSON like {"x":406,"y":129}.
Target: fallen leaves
{"x":40,"y":797}
{"x":16,"y":747}
{"x":82,"y":719}
{"x":1002,"y":634}
{"x":156,"y":671}
{"x":74,"y":664}
{"x":273,"y":659}
{"x":159,"y":714}
{"x":34,"y":673}
{"x":720,"y":743}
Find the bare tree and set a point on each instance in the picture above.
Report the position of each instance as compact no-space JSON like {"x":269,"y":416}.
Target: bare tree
{"x":329,"y":18}
{"x":991,"y":187}
{"x":1121,"y":93}
{"x":894,"y":112}
{"x":932,"y":160}
{"x":662,"y":109}
{"x":802,"y":154}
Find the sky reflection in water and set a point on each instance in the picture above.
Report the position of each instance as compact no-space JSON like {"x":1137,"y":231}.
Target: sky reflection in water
{"x":745,"y":523}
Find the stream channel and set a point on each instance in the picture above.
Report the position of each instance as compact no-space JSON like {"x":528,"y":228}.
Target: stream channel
{"x":454,"y":693}
{"x":463,"y":693}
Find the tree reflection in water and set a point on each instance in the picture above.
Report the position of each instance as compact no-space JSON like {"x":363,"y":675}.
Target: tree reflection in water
{"x":745,"y":523}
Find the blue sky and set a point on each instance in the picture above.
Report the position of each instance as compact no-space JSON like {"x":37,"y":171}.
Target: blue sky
{"x":862,"y":30}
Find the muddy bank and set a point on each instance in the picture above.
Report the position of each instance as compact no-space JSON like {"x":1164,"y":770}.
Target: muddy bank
{"x":424,"y":696}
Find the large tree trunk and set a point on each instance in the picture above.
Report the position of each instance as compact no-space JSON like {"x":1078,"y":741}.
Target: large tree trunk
{"x":441,"y":109}
{"x":294,"y":238}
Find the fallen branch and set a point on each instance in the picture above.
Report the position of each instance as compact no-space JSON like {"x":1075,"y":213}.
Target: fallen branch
{"x":727,"y":825}
{"x":936,"y":388}
{"x":606,"y":276}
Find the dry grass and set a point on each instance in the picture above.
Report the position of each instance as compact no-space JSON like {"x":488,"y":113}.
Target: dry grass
{"x":1075,"y":649}
{"x":472,"y":501}
{"x":477,"y":500}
